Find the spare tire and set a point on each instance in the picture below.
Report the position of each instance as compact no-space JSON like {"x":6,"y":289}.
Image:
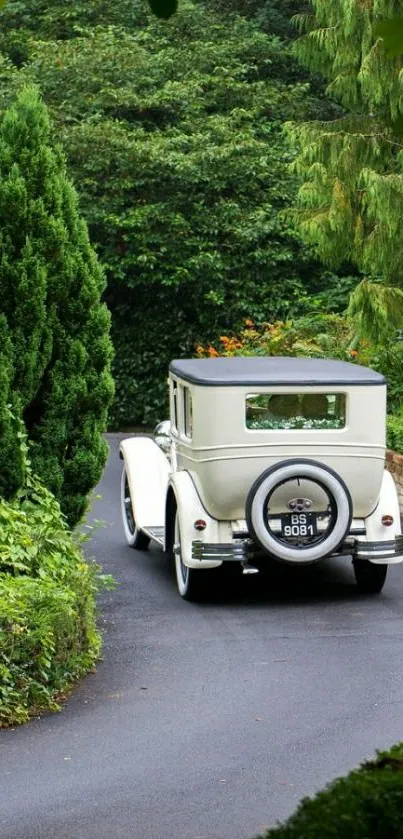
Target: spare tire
{"x":299,"y":511}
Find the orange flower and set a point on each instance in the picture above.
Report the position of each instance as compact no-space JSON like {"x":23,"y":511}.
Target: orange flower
{"x":353,"y":353}
{"x":212,"y":352}
{"x":249,"y":323}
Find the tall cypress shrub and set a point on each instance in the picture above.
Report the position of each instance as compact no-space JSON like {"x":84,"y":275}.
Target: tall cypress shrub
{"x":50,"y":297}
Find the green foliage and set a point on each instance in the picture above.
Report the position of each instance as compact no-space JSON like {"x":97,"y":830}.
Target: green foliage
{"x":377,"y":311}
{"x":387,"y":358}
{"x":366,"y":804}
{"x":273,"y":16}
{"x":391,"y":32}
{"x":48,"y":635}
{"x":313,"y":335}
{"x":173,"y":132}
{"x":55,"y":346}
{"x":11,"y":465}
{"x":47,"y":640}
{"x":394,"y":432}
{"x":352,"y":168}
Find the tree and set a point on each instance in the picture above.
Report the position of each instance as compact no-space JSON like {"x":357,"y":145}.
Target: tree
{"x":352,"y":167}
{"x":56,"y":350}
{"x":173,"y":133}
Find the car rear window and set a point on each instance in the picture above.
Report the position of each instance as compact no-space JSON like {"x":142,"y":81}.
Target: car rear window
{"x":295,"y":410}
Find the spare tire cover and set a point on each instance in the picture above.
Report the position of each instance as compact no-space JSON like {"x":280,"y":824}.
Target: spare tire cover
{"x":338,"y":511}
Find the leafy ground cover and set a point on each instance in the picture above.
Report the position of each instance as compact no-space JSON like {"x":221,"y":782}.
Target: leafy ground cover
{"x":48,"y":632}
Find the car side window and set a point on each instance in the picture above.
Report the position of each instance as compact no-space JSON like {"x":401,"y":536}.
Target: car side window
{"x":175,"y":397}
{"x":187,"y":413}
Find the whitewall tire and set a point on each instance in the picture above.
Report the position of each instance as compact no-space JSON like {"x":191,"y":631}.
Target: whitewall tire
{"x":337,"y":510}
{"x":189,"y":581}
{"x":134,"y":536}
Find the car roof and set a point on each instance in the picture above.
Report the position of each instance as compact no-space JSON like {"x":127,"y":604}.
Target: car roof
{"x":273,"y":370}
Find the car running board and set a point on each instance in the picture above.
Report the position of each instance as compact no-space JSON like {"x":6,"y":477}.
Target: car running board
{"x":156,"y":533}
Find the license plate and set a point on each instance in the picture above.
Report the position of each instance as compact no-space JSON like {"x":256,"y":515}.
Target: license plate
{"x":298,"y":525}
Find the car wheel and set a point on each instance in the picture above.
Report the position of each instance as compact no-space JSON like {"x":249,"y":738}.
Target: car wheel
{"x":134,"y":536}
{"x":189,"y":581}
{"x":292,"y":492}
{"x":370,"y":578}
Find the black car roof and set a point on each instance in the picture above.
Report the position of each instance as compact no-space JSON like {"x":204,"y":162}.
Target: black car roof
{"x":273,"y":370}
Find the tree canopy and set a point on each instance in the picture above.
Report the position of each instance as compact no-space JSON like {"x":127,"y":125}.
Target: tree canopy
{"x":173,"y":134}
{"x":352,"y":167}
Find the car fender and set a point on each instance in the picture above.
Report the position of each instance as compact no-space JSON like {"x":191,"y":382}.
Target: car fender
{"x":147,"y":469}
{"x":388,"y":504}
{"x":190,"y":508}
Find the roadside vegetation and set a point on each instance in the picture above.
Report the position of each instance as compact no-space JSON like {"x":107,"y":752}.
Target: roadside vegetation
{"x":48,"y":634}
{"x":366,"y":804}
{"x":55,"y":387}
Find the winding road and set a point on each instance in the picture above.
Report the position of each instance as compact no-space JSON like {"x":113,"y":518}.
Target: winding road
{"x":207,"y":721}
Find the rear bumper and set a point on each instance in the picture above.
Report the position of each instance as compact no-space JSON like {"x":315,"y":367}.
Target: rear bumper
{"x":390,"y":552}
{"x":236,"y":551}
{"x":242,"y":550}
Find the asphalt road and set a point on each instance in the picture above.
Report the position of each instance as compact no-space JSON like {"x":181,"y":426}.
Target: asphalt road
{"x":208,"y":721}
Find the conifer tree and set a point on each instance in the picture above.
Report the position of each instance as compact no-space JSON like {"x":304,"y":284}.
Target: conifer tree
{"x":11,"y":467}
{"x":54,"y":325}
{"x":351,"y":168}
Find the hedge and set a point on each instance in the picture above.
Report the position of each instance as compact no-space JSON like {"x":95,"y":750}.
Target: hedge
{"x":48,"y":639}
{"x":366,"y":804}
{"x":48,"y":633}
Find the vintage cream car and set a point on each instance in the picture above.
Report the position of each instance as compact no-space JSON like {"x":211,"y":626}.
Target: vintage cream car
{"x":265,"y":459}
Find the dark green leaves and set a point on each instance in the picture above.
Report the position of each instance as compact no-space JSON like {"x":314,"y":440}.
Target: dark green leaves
{"x":391,"y":32}
{"x":174,"y":135}
{"x":163,"y":8}
{"x":54,"y":336}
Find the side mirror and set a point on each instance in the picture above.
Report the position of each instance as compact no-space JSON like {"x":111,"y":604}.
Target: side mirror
{"x":162,"y":435}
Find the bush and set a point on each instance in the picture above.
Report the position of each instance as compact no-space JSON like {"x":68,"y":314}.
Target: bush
{"x":48,"y":635}
{"x":367,"y":804}
{"x":314,"y":335}
{"x":55,"y":349}
{"x":394,"y":436}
